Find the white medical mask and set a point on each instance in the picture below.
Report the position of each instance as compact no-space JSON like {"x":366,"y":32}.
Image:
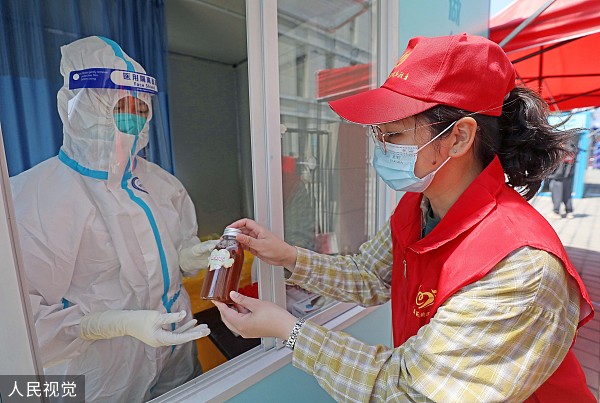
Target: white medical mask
{"x":396,"y":166}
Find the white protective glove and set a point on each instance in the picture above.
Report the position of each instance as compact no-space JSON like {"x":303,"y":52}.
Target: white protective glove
{"x":146,"y":326}
{"x":196,"y":257}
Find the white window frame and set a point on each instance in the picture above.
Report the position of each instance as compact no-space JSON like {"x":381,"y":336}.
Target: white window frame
{"x":388,"y":53}
{"x":236,"y":375}
{"x":20,"y":354}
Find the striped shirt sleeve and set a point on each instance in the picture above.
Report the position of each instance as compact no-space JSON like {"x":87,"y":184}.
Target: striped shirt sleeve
{"x":497,"y":339}
{"x":364,"y":278}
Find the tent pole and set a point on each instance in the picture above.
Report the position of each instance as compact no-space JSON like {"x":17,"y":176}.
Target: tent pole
{"x":540,"y":70}
{"x":544,"y":50}
{"x":553,"y":103}
{"x":525,"y":23}
{"x":568,"y":98}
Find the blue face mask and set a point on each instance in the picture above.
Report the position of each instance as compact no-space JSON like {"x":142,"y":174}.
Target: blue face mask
{"x":129,"y":123}
{"x":397,"y":166}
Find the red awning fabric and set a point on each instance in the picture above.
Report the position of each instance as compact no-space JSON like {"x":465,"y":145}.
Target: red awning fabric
{"x":558,"y":53}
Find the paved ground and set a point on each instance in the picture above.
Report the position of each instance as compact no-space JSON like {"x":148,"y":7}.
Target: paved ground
{"x":581,"y":237}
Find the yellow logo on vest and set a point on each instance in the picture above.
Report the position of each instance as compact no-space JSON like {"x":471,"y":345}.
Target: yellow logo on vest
{"x":424,"y":300}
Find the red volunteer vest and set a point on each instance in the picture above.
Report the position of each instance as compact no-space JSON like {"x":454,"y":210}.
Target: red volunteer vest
{"x":488,"y":221}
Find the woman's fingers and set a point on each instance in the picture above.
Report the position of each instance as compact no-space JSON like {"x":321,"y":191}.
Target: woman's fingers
{"x":247,"y":241}
{"x":241,"y":309}
{"x":245,"y":302}
{"x":249,"y":227}
{"x":256,"y":318}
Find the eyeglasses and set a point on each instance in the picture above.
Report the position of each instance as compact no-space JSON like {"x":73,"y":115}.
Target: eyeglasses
{"x":378,"y":136}
{"x":132,"y":105}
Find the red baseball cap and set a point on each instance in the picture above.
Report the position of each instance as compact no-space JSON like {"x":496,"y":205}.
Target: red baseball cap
{"x":464,"y":71}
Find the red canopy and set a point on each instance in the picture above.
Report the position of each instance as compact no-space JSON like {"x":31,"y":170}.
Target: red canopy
{"x":558,"y":53}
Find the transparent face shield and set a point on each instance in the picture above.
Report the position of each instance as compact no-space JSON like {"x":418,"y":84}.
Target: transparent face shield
{"x":113,"y":117}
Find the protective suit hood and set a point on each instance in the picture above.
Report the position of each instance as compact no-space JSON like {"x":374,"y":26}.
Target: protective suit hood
{"x":90,"y":137}
{"x":101,"y":230}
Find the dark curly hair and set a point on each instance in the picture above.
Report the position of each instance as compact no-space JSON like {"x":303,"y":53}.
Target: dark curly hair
{"x":529,"y":148}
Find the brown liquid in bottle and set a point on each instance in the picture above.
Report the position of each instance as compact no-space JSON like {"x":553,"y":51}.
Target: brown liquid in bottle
{"x":224,"y":268}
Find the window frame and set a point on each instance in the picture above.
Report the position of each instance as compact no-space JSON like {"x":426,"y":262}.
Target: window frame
{"x":22,"y":357}
{"x":236,"y":375}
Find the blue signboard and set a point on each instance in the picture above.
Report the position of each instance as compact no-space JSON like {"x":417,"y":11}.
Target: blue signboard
{"x":442,"y":17}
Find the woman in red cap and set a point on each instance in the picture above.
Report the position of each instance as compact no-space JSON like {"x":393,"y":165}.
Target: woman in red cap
{"x":485,"y":302}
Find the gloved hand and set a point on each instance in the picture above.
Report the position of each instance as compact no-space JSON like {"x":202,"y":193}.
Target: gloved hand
{"x":196,"y":257}
{"x":146,"y":326}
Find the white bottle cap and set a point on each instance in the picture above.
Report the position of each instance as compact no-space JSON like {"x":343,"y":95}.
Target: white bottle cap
{"x":232,"y":231}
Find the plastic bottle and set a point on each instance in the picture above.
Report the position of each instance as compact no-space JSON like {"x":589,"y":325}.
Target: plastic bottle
{"x":224,"y":268}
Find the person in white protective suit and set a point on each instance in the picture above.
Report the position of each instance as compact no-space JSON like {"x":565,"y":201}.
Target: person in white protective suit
{"x":105,"y":236}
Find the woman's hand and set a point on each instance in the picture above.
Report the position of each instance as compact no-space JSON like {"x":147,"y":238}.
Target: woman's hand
{"x":264,"y":244}
{"x":253,"y":318}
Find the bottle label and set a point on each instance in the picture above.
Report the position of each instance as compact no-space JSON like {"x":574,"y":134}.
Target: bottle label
{"x":220,"y":259}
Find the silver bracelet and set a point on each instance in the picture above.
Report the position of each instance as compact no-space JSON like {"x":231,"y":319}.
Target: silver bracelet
{"x":291,"y":341}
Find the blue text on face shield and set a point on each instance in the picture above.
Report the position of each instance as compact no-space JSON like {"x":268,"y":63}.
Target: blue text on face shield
{"x":129,"y":123}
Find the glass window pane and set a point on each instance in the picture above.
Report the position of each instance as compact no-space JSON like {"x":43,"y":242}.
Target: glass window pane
{"x":210,"y":126}
{"x":326,"y":51}
{"x":129,"y":221}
